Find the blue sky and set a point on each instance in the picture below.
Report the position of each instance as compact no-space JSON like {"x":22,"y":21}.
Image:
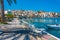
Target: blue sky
{"x":35,"y":5}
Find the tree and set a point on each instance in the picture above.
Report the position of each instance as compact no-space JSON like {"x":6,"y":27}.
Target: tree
{"x":9,"y":15}
{"x":2,"y":7}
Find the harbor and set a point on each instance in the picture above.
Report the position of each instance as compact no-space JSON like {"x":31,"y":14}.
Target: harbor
{"x":25,"y":32}
{"x":29,"y":19}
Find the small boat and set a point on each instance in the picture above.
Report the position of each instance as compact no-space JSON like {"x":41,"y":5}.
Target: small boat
{"x":56,"y":26}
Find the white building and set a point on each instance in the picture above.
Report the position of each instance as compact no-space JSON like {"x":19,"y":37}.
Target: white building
{"x":6,"y":12}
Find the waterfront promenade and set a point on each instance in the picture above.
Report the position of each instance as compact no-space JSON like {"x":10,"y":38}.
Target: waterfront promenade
{"x":23,"y":35}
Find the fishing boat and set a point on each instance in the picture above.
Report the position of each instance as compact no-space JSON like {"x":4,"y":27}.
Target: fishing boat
{"x":55,"y":26}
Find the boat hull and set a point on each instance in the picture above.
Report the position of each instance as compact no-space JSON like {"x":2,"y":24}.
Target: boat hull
{"x":53,"y":27}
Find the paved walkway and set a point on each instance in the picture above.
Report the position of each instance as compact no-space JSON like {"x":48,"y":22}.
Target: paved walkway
{"x":14,"y":36}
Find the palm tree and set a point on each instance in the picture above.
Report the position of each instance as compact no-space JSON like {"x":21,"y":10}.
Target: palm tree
{"x":2,"y":8}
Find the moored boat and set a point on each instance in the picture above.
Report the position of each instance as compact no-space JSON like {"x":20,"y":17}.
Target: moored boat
{"x":56,"y":26}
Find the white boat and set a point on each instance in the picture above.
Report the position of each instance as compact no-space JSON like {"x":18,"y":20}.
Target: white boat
{"x":56,"y":26}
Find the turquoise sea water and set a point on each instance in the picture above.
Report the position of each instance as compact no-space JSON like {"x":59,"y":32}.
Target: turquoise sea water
{"x":42,"y":22}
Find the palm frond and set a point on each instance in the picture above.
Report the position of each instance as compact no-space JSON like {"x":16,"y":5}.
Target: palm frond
{"x":9,"y":2}
{"x":14,"y":1}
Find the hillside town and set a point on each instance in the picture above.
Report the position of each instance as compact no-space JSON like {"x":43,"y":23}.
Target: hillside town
{"x":31,"y":14}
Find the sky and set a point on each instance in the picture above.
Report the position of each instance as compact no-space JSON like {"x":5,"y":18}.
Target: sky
{"x":35,"y":5}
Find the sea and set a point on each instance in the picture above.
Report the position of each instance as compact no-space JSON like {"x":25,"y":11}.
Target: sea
{"x":43,"y":22}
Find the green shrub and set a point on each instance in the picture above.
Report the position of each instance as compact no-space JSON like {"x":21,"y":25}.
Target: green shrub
{"x":9,"y":15}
